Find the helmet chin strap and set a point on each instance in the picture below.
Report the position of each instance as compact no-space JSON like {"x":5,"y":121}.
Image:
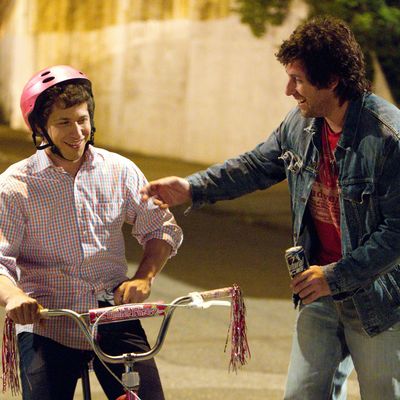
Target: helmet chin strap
{"x":40,"y":146}
{"x":54,"y":149}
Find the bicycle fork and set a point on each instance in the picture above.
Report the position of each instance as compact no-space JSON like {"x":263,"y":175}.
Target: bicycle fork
{"x":131,"y":382}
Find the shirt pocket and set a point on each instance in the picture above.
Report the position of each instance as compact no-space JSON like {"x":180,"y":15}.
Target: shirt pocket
{"x":109,"y":213}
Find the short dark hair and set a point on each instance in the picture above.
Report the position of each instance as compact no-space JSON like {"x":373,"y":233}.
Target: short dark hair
{"x":327,"y":49}
{"x":65,"y":94}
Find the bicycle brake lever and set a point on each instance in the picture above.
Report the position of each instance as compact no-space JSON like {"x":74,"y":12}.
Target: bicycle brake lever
{"x":207,"y":304}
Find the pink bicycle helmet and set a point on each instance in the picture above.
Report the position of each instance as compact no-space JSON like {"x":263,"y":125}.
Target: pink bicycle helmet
{"x":43,"y":80}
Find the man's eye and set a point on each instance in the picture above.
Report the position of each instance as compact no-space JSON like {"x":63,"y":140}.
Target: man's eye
{"x":63,"y":123}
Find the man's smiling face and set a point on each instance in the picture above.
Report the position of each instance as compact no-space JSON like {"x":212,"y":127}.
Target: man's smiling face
{"x":311,"y":100}
{"x":69,"y":129}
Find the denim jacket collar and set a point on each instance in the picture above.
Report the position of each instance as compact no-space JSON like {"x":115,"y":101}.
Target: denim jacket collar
{"x":351,"y":123}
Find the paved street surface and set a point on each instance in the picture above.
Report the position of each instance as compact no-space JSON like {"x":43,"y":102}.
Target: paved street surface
{"x":239,"y":241}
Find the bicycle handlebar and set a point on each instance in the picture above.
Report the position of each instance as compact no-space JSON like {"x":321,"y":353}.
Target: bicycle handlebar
{"x":135,"y":311}
{"x":239,"y":347}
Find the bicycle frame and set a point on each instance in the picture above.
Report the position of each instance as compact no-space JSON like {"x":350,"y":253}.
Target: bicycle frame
{"x":130,"y":379}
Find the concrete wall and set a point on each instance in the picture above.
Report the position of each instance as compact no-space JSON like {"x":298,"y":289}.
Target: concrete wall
{"x":178,"y":78}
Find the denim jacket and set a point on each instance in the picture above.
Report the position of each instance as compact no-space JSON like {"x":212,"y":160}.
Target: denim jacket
{"x":368,"y":160}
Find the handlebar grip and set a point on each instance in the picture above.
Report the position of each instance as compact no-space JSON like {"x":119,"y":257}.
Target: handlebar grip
{"x":44,"y":313}
{"x":216,"y":293}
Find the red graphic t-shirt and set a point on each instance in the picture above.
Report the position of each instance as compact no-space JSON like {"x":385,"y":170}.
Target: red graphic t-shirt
{"x":324,"y":201}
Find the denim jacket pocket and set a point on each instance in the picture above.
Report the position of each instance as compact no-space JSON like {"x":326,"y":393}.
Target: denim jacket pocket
{"x":360,"y":210}
{"x":357,"y":193}
{"x":390,"y":284}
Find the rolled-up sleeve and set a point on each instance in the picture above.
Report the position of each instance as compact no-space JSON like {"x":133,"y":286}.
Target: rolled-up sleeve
{"x":148,"y":220}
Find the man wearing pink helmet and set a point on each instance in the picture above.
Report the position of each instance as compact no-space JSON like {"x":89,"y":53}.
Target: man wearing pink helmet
{"x":30,"y":97}
{"x":61,"y":242}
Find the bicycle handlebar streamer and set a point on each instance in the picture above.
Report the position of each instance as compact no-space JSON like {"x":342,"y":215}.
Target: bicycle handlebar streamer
{"x":240,"y":350}
{"x":9,"y":358}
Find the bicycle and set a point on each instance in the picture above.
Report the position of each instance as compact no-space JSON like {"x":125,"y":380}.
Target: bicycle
{"x":89,"y":321}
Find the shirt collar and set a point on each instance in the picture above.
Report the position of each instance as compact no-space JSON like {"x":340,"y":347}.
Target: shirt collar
{"x":41,"y":161}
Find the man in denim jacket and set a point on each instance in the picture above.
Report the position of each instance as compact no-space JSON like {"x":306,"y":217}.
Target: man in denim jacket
{"x":339,"y":150}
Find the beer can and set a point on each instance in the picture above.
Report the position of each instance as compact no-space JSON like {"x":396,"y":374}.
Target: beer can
{"x":296,"y":260}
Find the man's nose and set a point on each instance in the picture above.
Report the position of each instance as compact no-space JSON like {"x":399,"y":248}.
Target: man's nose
{"x":76,"y":130}
{"x":290,"y":88}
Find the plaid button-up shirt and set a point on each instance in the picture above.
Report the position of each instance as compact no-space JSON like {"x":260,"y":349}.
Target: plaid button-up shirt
{"x":61,"y":239}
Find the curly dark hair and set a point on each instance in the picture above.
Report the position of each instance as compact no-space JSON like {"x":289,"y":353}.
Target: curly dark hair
{"x":327,"y":49}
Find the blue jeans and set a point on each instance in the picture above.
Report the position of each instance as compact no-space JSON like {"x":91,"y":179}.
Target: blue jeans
{"x":325,"y":346}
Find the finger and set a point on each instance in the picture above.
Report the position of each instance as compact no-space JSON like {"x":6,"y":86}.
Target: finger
{"x":118,"y":296}
{"x":144,"y":196}
{"x":36,"y":314}
{"x":297,"y":288}
{"x":136,"y":296}
{"x":24,"y":315}
{"x":145,"y":190}
{"x":29,"y":313}
{"x":129,"y":296}
{"x":299,"y":278}
{"x":310,"y":298}
{"x":306,"y":292}
{"x":13,"y":316}
{"x":157,"y":202}
{"x":151,"y":189}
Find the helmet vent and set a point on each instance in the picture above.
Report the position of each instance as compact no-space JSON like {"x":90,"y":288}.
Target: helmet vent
{"x":50,"y":78}
{"x":45,"y":73}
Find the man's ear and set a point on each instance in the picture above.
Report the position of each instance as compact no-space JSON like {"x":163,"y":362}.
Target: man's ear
{"x":333,"y":83}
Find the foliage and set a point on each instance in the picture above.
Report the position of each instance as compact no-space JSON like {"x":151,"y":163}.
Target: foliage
{"x":258,"y":13}
{"x":375,"y":23}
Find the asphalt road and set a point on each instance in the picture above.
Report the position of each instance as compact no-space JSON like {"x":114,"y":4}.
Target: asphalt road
{"x":239,"y":241}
